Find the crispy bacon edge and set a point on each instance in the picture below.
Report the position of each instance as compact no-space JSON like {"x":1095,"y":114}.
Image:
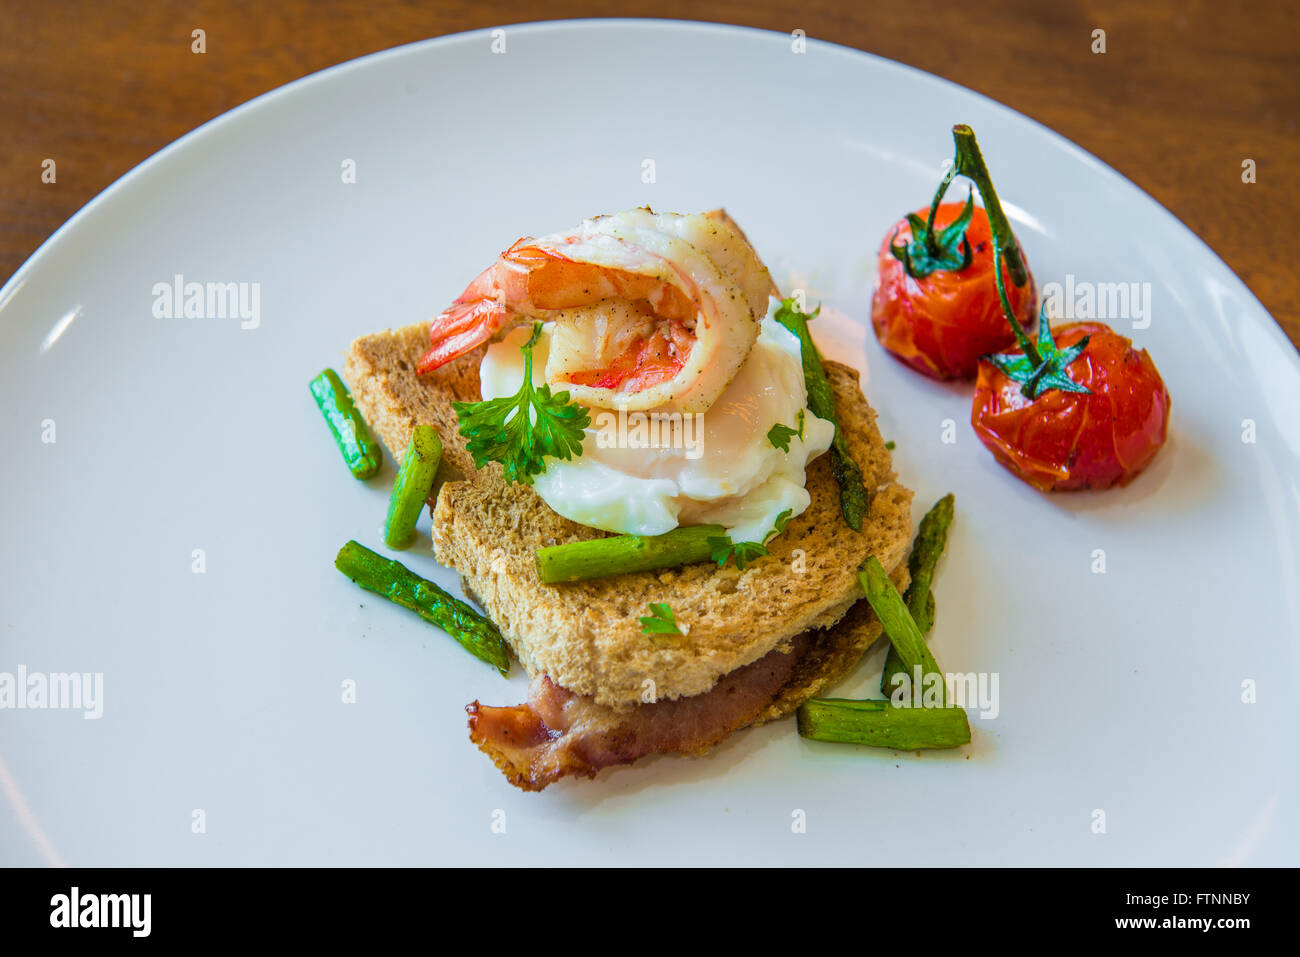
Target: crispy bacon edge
{"x":558,"y":734}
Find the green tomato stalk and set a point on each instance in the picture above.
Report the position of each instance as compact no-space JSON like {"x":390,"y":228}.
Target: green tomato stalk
{"x":1042,"y":366}
{"x":968,"y":161}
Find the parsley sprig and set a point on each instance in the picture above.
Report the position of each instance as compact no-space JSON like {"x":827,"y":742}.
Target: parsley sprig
{"x":743,"y":552}
{"x":724,"y":548}
{"x":780,"y":435}
{"x":660,"y":622}
{"x":520,"y":430}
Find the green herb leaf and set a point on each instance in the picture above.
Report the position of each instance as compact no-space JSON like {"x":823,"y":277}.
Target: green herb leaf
{"x":724,"y":548}
{"x":746,"y":552}
{"x":660,"y":621}
{"x":719,"y":548}
{"x":780,"y":435}
{"x":519,"y":431}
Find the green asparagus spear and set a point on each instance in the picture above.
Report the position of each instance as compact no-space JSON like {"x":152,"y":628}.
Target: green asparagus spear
{"x":821,"y":400}
{"x":881,"y":725}
{"x":897,"y":621}
{"x":359,"y":449}
{"x":411,"y":489}
{"x":619,"y":554}
{"x":400,"y":585}
{"x":930,"y":540}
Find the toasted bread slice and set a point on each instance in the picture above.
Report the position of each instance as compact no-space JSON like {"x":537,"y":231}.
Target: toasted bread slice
{"x":586,"y":635}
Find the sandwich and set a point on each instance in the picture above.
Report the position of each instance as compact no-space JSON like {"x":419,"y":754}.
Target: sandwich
{"x":627,"y":324}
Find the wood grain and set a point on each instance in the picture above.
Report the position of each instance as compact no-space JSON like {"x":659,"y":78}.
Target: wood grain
{"x":1184,"y":93}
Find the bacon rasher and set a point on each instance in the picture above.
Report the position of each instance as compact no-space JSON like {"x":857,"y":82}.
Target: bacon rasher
{"x":557,"y":733}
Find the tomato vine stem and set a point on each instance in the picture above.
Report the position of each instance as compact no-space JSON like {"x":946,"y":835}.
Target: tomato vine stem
{"x":968,"y":161}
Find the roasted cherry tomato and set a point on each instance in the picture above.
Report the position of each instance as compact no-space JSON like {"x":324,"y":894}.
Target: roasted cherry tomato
{"x":1071,"y":440}
{"x":943,"y":322}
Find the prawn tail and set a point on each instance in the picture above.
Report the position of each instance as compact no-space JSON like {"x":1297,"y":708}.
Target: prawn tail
{"x":464,"y":326}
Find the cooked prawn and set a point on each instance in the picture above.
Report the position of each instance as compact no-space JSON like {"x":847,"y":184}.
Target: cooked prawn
{"x":649,"y":309}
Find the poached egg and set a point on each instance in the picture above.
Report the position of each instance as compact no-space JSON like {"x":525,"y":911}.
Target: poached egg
{"x":646,"y":473}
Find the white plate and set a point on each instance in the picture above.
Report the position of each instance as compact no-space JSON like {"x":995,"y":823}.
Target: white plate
{"x":1119,"y":692}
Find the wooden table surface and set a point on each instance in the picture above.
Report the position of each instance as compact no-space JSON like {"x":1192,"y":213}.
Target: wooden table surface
{"x":1186,"y":91}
